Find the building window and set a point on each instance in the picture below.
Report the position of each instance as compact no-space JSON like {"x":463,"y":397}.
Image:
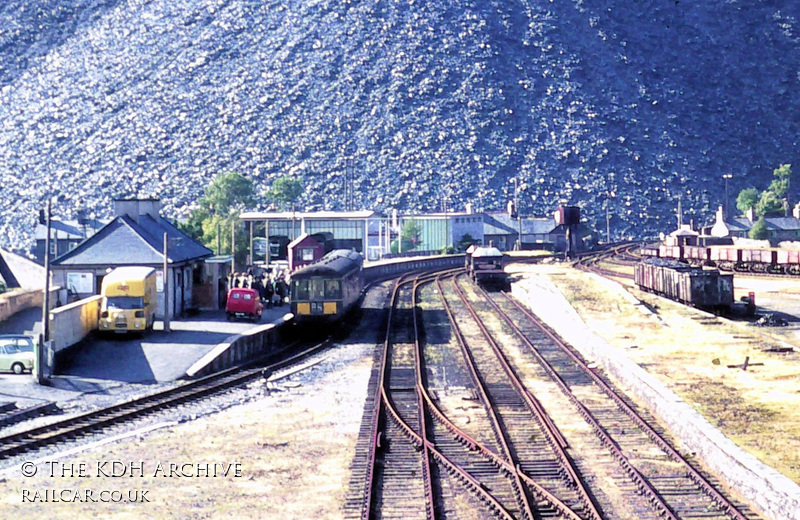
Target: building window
{"x":308,"y":254}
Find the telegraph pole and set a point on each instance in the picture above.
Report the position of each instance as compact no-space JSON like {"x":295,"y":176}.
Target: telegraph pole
{"x":43,"y":344}
{"x":233,"y":245}
{"x":519,"y":214}
{"x":250,"y":256}
{"x":166,"y":284}
{"x":219,"y":238}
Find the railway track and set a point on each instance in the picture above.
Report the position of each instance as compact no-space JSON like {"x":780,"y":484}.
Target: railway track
{"x":423,"y":453}
{"x":627,"y":254}
{"x":622,"y":255}
{"x":103,"y":418}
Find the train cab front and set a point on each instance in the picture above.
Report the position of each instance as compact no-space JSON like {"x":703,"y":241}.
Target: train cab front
{"x":315,"y":310}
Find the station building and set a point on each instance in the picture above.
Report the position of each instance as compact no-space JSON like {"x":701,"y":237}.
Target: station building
{"x":441,"y":230}
{"x":272,"y":231}
{"x":135,"y":238}
{"x":372,"y":234}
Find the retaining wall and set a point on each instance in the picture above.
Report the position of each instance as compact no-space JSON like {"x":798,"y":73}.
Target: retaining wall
{"x":239,"y":348}
{"x":71,"y":323}
{"x":376,"y":270}
{"x":770,"y":491}
{"x":20,"y":299}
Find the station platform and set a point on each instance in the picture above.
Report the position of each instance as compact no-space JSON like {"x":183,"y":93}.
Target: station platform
{"x":103,"y":364}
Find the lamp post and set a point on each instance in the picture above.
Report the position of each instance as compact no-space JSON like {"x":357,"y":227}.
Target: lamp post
{"x":42,"y":374}
{"x":726,"y":176}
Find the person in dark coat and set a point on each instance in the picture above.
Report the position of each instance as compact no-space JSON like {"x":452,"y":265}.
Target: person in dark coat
{"x":268,"y":291}
{"x":280,"y":288}
{"x":259,"y":288}
{"x":222,"y":294}
{"x":236,"y":279}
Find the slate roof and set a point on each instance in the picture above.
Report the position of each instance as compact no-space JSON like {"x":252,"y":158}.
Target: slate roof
{"x":782,"y":223}
{"x":502,"y":224}
{"x":123,"y":241}
{"x":67,"y":228}
{"x":303,"y":236}
{"x":684,"y":233}
{"x":785,"y":223}
{"x":739,"y":224}
{"x":538,"y":226}
{"x":498,"y":224}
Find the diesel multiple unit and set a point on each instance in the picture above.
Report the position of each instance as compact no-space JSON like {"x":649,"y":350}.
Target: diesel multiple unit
{"x":327,"y":289}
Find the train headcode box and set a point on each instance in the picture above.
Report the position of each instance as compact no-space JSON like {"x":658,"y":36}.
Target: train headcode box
{"x":568,"y":215}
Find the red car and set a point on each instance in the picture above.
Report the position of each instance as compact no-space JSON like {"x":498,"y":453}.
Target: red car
{"x":243,"y":303}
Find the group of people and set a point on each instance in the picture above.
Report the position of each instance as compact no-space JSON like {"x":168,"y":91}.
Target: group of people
{"x":272,"y":288}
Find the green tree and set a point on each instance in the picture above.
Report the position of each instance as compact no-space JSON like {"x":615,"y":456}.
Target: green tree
{"x":759,"y":230}
{"x":409,"y":237}
{"x":772,"y":201}
{"x":285,"y":191}
{"x":218,"y":209}
{"x":227,"y":193}
{"x":748,"y":198}
{"x":464,"y":242}
{"x":780,"y":184}
{"x":769,"y":204}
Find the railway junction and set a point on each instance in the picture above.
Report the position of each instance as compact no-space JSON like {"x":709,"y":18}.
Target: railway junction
{"x":445,"y":402}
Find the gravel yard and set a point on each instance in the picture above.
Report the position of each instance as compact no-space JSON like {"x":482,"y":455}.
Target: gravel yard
{"x":293,"y":440}
{"x":758,"y":409}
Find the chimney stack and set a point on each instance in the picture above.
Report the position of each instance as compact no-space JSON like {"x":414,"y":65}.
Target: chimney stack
{"x":135,"y":208}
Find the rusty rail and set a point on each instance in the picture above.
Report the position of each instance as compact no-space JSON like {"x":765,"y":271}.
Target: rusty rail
{"x":657,"y":438}
{"x":555,"y":439}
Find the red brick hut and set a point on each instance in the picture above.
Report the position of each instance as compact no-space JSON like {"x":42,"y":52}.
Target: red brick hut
{"x":304,"y":250}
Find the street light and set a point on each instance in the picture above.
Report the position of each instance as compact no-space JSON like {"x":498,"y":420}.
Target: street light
{"x":726,"y":176}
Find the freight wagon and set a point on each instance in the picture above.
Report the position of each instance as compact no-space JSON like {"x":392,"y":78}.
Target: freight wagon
{"x":703,"y":288}
{"x":485,"y":266}
{"x":789,"y":261}
{"x":697,"y":255}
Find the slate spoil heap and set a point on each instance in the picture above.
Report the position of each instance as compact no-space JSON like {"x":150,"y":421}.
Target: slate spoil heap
{"x":431,"y":100}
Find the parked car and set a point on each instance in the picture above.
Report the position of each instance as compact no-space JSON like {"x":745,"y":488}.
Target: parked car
{"x":243,"y":303}
{"x":16,"y":353}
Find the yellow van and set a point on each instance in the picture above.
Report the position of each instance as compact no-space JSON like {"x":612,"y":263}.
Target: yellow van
{"x":130,"y":299}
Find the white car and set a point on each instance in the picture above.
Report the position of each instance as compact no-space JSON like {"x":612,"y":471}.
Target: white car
{"x":16,"y":353}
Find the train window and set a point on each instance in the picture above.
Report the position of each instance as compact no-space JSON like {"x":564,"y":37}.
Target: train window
{"x":301,"y":290}
{"x":317,"y":289}
{"x":333,"y":289}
